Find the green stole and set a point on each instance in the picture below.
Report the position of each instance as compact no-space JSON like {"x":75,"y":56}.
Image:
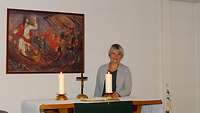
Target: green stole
{"x":104,"y":107}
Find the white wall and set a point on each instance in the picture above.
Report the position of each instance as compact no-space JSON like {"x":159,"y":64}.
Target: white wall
{"x":135,"y":24}
{"x":182,"y":57}
{"x":197,"y":40}
{"x":181,"y":62}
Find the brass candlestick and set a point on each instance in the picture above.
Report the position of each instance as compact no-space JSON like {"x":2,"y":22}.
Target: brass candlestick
{"x":108,"y":95}
{"x":61,"y":97}
{"x":82,"y":79}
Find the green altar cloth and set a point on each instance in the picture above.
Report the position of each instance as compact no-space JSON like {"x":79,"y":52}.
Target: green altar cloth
{"x":104,"y":107}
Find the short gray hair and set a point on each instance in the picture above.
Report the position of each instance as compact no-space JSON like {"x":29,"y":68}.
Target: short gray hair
{"x":116,"y":47}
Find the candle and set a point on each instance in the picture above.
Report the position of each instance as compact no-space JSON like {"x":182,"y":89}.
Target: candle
{"x":108,"y":78}
{"x":61,"y":83}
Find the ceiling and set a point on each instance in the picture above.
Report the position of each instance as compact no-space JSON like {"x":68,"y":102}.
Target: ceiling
{"x":193,"y":1}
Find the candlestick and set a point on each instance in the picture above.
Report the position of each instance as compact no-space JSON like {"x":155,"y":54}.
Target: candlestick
{"x":61,"y":91}
{"x":61,"y":97}
{"x":61,"y":83}
{"x":108,"y":83}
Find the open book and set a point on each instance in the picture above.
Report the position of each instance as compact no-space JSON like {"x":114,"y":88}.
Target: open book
{"x":100,"y":99}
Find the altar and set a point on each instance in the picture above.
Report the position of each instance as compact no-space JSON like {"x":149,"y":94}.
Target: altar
{"x":68,"y":106}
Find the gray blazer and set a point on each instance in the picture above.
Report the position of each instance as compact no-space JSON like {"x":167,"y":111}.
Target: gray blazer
{"x":123,"y":82}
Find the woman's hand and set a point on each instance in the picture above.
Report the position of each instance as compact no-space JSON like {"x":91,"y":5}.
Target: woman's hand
{"x":115,"y":95}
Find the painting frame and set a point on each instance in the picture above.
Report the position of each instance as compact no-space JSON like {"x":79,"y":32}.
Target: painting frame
{"x":44,"y":42}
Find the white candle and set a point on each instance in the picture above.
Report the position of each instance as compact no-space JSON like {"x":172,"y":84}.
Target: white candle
{"x":108,"y":78}
{"x":61,"y":83}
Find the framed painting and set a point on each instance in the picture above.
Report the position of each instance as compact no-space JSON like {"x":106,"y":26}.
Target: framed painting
{"x":44,"y":42}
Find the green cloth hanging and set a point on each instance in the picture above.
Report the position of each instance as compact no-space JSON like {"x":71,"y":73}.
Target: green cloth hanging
{"x":104,"y":107}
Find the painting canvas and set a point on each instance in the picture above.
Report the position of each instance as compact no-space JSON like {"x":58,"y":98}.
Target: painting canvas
{"x":44,"y":42}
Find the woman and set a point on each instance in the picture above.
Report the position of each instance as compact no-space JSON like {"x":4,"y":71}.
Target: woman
{"x":121,"y":76}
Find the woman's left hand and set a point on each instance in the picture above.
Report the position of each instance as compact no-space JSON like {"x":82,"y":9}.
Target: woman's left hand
{"x":115,"y":95}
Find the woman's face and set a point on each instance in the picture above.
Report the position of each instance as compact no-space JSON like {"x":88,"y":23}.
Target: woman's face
{"x":115,"y":56}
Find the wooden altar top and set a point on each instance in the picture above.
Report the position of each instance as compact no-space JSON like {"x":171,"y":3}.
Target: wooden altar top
{"x":65,"y":108}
